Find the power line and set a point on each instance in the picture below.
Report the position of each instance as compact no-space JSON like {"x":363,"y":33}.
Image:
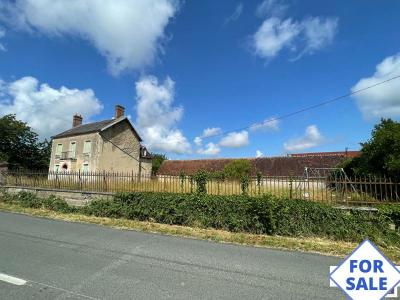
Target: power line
{"x":306,"y":108}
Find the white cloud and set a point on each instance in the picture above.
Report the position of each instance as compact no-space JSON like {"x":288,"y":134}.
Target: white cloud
{"x":274,"y":35}
{"x":235,"y":139}
{"x":211,"y":149}
{"x":129,"y":33}
{"x":271,"y":8}
{"x":208,"y":132}
{"x":302,"y":37}
{"x":382,"y":100}
{"x":259,"y":154}
{"x":318,"y":33}
{"x":211,"y":131}
{"x":47,"y":110}
{"x":157,"y":117}
{"x":236,"y":14}
{"x":2,"y":34}
{"x":267,"y":124}
{"x":198,"y":141}
{"x":311,"y":138}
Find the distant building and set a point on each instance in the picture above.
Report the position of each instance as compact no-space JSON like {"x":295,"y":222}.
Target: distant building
{"x":268,"y":166}
{"x":111,"y":145}
{"x":337,"y":153}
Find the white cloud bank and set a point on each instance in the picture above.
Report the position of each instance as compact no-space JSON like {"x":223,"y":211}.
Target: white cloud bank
{"x":129,"y":33}
{"x":311,"y":138}
{"x":47,"y":110}
{"x":210,"y":149}
{"x":157,"y":117}
{"x":382,"y":100}
{"x":259,"y":154}
{"x":300,"y":37}
{"x":208,"y":132}
{"x":235,"y":139}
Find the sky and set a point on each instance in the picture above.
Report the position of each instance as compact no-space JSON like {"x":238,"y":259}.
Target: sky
{"x":204,"y":79}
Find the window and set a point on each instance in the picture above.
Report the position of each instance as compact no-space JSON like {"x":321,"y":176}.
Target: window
{"x":58,"y":150}
{"x":87,"y":147}
{"x":56,"y":168}
{"x":72,"y":149}
{"x":85,"y":167}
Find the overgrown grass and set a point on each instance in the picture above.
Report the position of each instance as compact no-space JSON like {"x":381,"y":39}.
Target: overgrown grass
{"x":266,"y":221}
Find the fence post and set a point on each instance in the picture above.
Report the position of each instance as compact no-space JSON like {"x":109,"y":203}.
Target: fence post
{"x":104,"y":181}
{"x":290,"y":187}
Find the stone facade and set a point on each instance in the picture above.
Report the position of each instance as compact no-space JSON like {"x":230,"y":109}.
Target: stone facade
{"x":112,"y":146}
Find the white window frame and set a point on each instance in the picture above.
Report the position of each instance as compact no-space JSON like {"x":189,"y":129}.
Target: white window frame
{"x":58,"y":153}
{"x":87,"y":151}
{"x":73,"y":155}
{"x":83,"y":167}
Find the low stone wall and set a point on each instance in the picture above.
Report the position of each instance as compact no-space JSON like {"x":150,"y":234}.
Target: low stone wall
{"x":75,"y":198}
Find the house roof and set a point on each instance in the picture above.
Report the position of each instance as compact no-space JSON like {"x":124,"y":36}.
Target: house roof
{"x":268,"y":166}
{"x":94,"y":127}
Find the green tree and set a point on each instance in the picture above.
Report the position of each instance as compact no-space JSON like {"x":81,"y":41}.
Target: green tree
{"x":380,"y":155}
{"x":237,"y":169}
{"x":20,"y":146}
{"x":157,"y":161}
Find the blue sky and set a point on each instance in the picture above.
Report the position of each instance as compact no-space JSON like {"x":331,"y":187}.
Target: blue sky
{"x":182,"y":67}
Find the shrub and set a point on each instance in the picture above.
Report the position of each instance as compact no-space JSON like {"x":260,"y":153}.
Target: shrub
{"x":241,"y":213}
{"x":237,"y":169}
{"x":31,"y":200}
{"x":201,"y":178}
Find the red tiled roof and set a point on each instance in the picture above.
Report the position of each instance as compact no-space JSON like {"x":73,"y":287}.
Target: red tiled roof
{"x":338,"y":153}
{"x":268,"y":166}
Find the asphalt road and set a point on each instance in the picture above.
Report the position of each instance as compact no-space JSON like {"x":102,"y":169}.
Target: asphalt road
{"x":61,"y":260}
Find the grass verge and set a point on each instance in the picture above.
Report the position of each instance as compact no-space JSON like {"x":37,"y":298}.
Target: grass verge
{"x":313,"y":245}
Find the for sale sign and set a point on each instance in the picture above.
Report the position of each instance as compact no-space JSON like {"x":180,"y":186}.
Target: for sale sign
{"x":366,"y":274}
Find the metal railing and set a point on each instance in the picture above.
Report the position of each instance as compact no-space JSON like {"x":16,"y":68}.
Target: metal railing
{"x":352,"y":191}
{"x":67,"y":155}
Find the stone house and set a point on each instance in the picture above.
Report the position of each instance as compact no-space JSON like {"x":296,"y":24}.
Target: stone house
{"x":111,"y":145}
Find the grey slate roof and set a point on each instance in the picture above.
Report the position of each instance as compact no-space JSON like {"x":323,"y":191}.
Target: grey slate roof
{"x":83,"y":129}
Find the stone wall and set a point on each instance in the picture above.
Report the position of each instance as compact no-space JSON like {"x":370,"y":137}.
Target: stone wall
{"x":75,"y":198}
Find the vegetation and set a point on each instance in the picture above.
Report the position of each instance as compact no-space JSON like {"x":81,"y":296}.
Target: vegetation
{"x":380,"y":155}
{"x":157,"y":161}
{"x":237,"y":169}
{"x":20,"y":146}
{"x":261,"y":215}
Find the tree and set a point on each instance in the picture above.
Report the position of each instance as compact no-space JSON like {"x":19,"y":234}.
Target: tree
{"x":380,"y":155}
{"x":237,"y":169}
{"x":20,"y":146}
{"x":157,"y":161}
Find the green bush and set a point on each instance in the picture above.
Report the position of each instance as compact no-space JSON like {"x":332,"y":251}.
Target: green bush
{"x":237,"y":213}
{"x":31,"y":200}
{"x":241,"y":213}
{"x":201,"y":178}
{"x":392,"y":212}
{"x":238,"y":168}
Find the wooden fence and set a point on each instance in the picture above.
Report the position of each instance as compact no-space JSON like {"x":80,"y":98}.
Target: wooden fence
{"x":358,"y":190}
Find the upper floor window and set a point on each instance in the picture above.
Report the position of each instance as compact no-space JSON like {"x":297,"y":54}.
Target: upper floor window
{"x":58,"y":150}
{"x":72,"y":149}
{"x":87,"y":147}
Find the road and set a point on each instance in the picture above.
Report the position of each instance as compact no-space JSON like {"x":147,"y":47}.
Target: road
{"x":61,"y":260}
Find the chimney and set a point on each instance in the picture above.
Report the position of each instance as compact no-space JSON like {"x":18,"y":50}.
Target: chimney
{"x":77,"y":120}
{"x":119,"y":111}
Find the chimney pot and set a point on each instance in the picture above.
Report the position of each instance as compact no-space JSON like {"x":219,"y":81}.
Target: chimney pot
{"x":119,"y":111}
{"x":77,"y":120}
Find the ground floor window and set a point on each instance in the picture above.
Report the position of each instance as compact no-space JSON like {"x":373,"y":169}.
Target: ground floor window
{"x":56,"y":168}
{"x":85,"y":167}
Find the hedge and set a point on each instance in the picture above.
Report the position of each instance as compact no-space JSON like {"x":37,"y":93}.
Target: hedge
{"x":259,"y":215}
